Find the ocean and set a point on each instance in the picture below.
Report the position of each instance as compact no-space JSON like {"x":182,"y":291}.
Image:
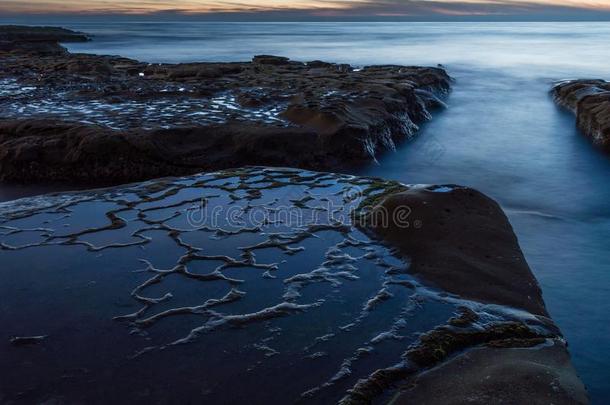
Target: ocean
{"x":501,"y":134}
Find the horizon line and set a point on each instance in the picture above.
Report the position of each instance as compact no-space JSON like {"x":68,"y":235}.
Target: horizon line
{"x":604,"y":17}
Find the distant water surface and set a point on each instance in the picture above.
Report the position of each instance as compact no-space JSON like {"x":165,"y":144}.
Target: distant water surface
{"x":501,"y":134}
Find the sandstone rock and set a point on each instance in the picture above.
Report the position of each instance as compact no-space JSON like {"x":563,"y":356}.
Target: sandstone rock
{"x":46,"y":150}
{"x":270,"y":60}
{"x":318,"y":64}
{"x":38,"y":48}
{"x":589,"y":100}
{"x":460,"y":241}
{"x":270,"y":111}
{"x":484,"y":375}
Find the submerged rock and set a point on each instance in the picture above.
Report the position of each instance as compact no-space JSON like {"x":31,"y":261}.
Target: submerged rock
{"x":589,"y":100}
{"x":285,"y":278}
{"x":171,"y":119}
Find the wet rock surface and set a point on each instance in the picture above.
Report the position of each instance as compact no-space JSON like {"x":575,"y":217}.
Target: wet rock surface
{"x":460,"y":241}
{"x":589,"y":100}
{"x":469,"y":378}
{"x":209,"y":287}
{"x":218,"y":114}
{"x":466,"y":247}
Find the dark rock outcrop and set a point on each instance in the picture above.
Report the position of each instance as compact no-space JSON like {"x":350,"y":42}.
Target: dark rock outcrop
{"x":37,"y":40}
{"x":35,"y":150}
{"x":589,"y":100}
{"x":198,"y":116}
{"x":486,"y":375}
{"x":460,"y":240}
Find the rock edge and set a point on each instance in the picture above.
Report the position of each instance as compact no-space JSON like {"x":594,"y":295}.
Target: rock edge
{"x":589,"y":101}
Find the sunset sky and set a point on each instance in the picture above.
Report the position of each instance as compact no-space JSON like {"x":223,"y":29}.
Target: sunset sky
{"x":316,"y":9}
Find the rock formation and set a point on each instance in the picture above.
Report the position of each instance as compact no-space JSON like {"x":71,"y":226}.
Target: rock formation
{"x":37,"y":40}
{"x":416,"y":293}
{"x":460,"y":241}
{"x":102,"y":118}
{"x":589,"y":100}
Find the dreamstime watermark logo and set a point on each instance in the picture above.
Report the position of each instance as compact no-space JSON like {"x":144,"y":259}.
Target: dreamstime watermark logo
{"x":400,"y":216}
{"x":346,"y":209}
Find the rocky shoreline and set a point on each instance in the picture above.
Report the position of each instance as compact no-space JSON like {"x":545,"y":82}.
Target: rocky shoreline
{"x":589,"y":101}
{"x":410,"y":293}
{"x":76,"y":117}
{"x":37,"y":40}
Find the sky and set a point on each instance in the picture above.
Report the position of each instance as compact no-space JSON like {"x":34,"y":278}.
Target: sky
{"x":316,"y":9}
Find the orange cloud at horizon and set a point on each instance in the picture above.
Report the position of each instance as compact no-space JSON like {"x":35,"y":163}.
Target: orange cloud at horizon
{"x":151,"y":6}
{"x":311,"y":7}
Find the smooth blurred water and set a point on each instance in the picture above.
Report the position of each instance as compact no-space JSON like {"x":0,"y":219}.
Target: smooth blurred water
{"x":501,"y":134}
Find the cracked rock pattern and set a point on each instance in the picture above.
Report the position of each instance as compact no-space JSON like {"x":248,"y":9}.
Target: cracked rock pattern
{"x":120,"y":93}
{"x":173,"y":106}
{"x":251,"y":285}
{"x":77,"y":117}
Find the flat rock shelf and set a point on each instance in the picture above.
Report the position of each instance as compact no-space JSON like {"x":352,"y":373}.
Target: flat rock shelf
{"x":261,"y":285}
{"x":66,"y":117}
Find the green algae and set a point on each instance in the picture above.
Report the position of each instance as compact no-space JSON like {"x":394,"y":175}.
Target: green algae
{"x":441,"y":342}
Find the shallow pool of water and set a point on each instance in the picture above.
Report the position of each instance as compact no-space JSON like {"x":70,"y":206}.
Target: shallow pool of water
{"x":206,"y":285}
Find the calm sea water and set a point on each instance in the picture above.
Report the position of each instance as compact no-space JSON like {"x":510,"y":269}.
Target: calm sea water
{"x":501,"y":134}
